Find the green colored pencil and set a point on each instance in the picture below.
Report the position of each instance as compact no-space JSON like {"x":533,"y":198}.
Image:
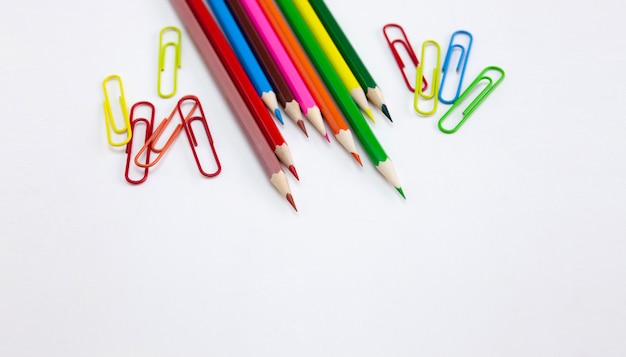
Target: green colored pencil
{"x":371,"y":89}
{"x":361,"y":129}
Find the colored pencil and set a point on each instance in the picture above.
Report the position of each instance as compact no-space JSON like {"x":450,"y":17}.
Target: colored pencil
{"x":360,"y":127}
{"x":243,"y":115}
{"x":336,"y":59}
{"x":372,"y":91}
{"x":246,"y":57}
{"x":283,"y":91}
{"x":300,"y":90}
{"x":212,"y":31}
{"x":330,"y":111}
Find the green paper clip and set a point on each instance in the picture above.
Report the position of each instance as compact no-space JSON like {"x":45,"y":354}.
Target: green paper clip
{"x":491,"y":85}
{"x":108,"y":112}
{"x":177,"y":63}
{"x":419,"y":90}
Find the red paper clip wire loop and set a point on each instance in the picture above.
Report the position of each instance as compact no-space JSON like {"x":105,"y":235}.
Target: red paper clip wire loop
{"x":404,"y":42}
{"x":191,"y":136}
{"x":149,"y":123}
{"x":151,"y":141}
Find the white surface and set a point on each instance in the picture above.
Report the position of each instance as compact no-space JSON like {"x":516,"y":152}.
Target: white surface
{"x":510,"y":242}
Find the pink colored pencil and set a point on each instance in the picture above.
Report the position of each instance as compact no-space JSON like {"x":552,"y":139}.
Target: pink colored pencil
{"x":244,"y":117}
{"x":300,"y":90}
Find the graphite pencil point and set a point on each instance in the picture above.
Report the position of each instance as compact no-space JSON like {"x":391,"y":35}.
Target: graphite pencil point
{"x":385,"y":111}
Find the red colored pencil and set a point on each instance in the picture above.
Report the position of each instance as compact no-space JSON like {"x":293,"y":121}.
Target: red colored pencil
{"x":230,"y":61}
{"x":265,"y":155}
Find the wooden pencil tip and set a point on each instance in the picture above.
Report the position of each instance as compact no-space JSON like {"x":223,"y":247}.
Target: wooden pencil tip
{"x":399,"y":189}
{"x":385,"y":111}
{"x":279,"y":116}
{"x":302,"y":127}
{"x":357,"y":157}
{"x":293,"y":171}
{"x":289,"y":198}
{"x":327,"y":138}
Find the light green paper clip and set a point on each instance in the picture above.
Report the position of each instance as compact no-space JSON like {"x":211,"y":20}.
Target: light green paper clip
{"x":177,"y":63}
{"x":491,"y":85}
{"x":434,"y":82}
{"x":108,"y":113}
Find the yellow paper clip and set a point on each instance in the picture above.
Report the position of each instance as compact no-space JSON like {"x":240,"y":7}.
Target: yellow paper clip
{"x":434,"y":82}
{"x":490,"y":86}
{"x":108,"y":113}
{"x":177,"y":62}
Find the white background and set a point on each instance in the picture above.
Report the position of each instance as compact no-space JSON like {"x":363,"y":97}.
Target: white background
{"x":510,"y":243}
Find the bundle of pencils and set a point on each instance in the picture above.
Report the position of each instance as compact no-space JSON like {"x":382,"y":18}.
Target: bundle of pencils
{"x":293,"y":52}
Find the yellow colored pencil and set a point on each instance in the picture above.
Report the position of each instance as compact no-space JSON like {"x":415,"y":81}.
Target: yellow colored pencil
{"x":334,"y":56}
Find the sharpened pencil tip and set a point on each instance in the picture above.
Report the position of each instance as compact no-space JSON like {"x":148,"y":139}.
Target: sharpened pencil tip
{"x":302,"y":127}
{"x":357,"y":157}
{"x":385,"y":111}
{"x":369,"y":114}
{"x":399,"y":189}
{"x":327,"y":138}
{"x":279,"y":116}
{"x":293,"y":171}
{"x":289,"y":198}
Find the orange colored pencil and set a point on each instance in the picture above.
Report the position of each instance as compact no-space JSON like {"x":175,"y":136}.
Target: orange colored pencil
{"x":324,"y":100}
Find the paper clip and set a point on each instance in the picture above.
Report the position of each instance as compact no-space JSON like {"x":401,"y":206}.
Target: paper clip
{"x":419,"y":93}
{"x":108,"y":113}
{"x":149,"y":123}
{"x":177,"y":62}
{"x":491,"y":85}
{"x":152,"y":140}
{"x":461,"y":65}
{"x":191,"y":136}
{"x":404,"y":42}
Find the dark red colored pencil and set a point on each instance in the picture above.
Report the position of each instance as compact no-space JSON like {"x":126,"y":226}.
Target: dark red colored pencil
{"x":289,"y":103}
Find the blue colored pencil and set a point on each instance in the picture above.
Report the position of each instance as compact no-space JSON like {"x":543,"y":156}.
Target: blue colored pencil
{"x":238,"y":42}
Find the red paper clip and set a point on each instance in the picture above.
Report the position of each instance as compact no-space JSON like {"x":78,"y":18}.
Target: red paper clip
{"x":409,"y":50}
{"x":151,"y":141}
{"x":187,"y":120}
{"x":149,"y":123}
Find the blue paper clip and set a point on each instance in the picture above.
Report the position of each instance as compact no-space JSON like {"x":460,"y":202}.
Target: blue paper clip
{"x":491,"y":85}
{"x":461,"y":65}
